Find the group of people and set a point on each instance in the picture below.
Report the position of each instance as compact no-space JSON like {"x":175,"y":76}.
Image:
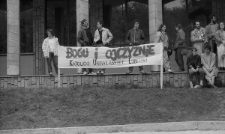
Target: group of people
{"x":208,"y":51}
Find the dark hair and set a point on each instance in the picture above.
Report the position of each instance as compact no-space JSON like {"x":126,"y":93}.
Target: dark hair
{"x":136,"y":21}
{"x":211,"y":16}
{"x":50,"y":31}
{"x":160,"y":27}
{"x":100,"y":22}
{"x":219,"y":25}
{"x":196,"y":22}
{"x":208,"y":47}
{"x":179,"y":26}
{"x":194,"y":49}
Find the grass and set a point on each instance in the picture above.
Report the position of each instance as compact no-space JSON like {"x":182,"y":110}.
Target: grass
{"x":43,"y":108}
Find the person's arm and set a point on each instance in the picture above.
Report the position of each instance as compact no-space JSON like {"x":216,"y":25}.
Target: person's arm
{"x":193,"y":39}
{"x":157,"y":38}
{"x":142,"y":37}
{"x":205,"y":39}
{"x":205,"y":66}
{"x":44,"y":48}
{"x":80,"y":38}
{"x":213,"y":61}
{"x":218,"y":38}
{"x":110,"y":36}
{"x":128,"y":37}
{"x":181,"y":38}
{"x":57,"y":47}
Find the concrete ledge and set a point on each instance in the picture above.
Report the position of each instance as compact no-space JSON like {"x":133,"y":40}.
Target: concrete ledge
{"x":151,"y":80}
{"x":153,"y":127}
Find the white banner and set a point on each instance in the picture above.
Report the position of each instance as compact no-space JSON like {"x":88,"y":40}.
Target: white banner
{"x":104,"y":57}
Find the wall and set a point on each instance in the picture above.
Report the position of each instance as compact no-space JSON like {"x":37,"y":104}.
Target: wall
{"x":26,"y":65}
{"x":177,"y":80}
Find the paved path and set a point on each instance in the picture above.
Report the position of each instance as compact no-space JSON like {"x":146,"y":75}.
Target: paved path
{"x":178,"y":132}
{"x":193,"y":127}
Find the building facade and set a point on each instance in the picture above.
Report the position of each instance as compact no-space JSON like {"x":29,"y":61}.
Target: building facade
{"x":26,"y":21}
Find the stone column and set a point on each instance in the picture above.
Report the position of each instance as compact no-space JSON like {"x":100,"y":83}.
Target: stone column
{"x":82,"y":12}
{"x":13,"y":37}
{"x":155,"y":17}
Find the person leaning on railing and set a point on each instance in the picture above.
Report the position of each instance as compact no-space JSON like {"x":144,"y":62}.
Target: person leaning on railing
{"x":50,"y":50}
{"x":85,"y":39}
{"x":161,"y":36}
{"x":102,"y":38}
{"x":135,"y":36}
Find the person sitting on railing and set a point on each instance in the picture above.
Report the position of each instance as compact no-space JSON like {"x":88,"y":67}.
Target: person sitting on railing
{"x":102,"y":38}
{"x":135,"y":36}
{"x":85,"y":39}
{"x":195,"y":69}
{"x":209,"y":65}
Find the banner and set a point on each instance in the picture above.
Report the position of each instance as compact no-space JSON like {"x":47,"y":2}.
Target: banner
{"x":104,"y":57}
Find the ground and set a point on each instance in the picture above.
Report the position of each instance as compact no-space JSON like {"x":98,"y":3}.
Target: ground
{"x":45,"y":108}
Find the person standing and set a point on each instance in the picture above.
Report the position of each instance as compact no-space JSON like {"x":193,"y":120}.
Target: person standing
{"x":179,"y":46}
{"x":161,"y":36}
{"x":198,"y":37}
{"x":195,"y":69}
{"x":210,"y":31}
{"x":50,"y":50}
{"x":135,"y":36}
{"x":102,"y":37}
{"x":85,"y":39}
{"x":220,"y":41}
{"x":208,"y":60}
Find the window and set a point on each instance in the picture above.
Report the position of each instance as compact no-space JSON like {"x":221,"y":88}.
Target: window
{"x":61,"y":17}
{"x":26,"y":26}
{"x":3,"y":27}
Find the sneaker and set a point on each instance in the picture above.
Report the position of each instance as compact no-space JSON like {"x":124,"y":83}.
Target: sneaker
{"x":93,"y":73}
{"x":98,"y":72}
{"x":142,"y":72}
{"x":85,"y":73}
{"x":128,"y":72}
{"x":170,"y":70}
{"x":51,"y":74}
{"x":102,"y":72}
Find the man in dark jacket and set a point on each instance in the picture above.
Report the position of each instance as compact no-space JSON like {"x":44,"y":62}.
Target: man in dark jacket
{"x":135,"y":36}
{"x":179,"y":46}
{"x":195,"y":69}
{"x":85,"y":39}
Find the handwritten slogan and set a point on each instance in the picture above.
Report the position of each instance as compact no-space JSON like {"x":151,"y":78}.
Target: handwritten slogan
{"x":104,"y":57}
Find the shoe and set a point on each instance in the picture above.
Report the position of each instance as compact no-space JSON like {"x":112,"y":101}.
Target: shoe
{"x":128,"y":72}
{"x":180,"y":70}
{"x":50,"y":74}
{"x":85,"y":73}
{"x":198,"y":86}
{"x":102,"y":72}
{"x":98,"y":72}
{"x":93,"y":73}
{"x":142,"y":72}
{"x":170,"y":70}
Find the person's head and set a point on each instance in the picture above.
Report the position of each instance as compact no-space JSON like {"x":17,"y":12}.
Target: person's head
{"x":197,"y":24}
{"x":50,"y":32}
{"x":194,"y":51}
{"x":178,"y":27}
{"x":221,"y":25}
{"x":162,"y":27}
{"x":207,"y":49}
{"x":213,"y":18}
{"x":99,"y":24}
{"x":136,"y":24}
{"x":84,"y":23}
